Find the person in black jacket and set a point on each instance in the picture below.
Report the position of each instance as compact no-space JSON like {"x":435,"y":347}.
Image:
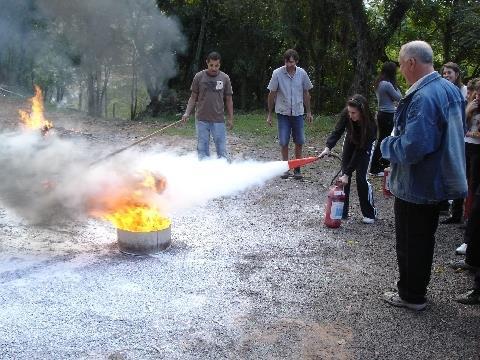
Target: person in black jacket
{"x":357,"y":119}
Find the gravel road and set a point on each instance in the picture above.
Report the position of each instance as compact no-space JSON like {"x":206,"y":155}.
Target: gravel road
{"x":254,"y":275}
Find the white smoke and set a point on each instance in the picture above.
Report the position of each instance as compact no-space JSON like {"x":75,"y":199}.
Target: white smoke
{"x":191,"y":182}
{"x":46,"y":180}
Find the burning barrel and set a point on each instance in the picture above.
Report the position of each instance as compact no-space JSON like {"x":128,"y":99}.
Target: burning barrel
{"x":145,"y":239}
{"x":142,"y":228}
{"x":144,"y":243}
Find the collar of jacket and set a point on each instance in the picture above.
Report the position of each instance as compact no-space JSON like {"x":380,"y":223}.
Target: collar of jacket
{"x":428,"y":79}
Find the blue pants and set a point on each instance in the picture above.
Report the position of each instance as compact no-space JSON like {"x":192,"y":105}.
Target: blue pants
{"x":290,"y":125}
{"x":206,"y":128}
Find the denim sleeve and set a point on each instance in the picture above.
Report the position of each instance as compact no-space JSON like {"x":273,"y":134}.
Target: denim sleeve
{"x":419,"y":133}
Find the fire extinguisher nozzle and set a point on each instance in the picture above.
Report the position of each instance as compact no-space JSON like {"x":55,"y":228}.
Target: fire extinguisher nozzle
{"x":301,"y":162}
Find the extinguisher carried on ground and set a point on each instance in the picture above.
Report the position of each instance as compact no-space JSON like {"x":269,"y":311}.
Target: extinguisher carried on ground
{"x":334,"y":206}
{"x":386,"y":182}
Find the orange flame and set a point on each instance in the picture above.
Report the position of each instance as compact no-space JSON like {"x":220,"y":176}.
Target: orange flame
{"x":130,"y":208}
{"x":35,"y":119}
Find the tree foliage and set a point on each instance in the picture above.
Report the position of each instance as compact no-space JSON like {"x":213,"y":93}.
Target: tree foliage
{"x":154,"y":47}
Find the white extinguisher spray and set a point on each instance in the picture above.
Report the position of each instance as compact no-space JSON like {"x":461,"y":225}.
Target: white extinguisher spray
{"x":334,"y":206}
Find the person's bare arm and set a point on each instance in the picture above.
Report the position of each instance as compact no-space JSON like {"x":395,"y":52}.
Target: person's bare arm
{"x":190,"y":106}
{"x":306,"y":102}
{"x":271,"y":102}
{"x":229,"y":103}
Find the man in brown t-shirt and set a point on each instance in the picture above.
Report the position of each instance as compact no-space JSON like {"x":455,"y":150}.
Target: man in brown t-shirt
{"x":211,"y":89}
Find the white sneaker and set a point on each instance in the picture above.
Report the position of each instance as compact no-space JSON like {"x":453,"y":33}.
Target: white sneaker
{"x":366,"y":220}
{"x":461,"y":250}
{"x":394,"y":299}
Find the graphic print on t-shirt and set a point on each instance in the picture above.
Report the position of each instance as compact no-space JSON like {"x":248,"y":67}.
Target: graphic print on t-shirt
{"x":214,"y":85}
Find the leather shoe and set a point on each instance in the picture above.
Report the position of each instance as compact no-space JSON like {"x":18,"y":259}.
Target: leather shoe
{"x":462,"y":265}
{"x":451,"y":220}
{"x":471,"y":297}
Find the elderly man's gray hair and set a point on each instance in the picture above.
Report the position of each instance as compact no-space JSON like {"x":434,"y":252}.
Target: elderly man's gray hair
{"x":420,"y":50}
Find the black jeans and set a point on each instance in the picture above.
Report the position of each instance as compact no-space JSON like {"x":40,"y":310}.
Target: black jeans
{"x":472,"y":155}
{"x":364,"y":188}
{"x":472,"y":232}
{"x":415,"y":226}
{"x":384,"y":127}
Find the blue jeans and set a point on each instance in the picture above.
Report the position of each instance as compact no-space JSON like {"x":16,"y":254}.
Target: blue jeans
{"x":293,"y":125}
{"x":218,"y":132}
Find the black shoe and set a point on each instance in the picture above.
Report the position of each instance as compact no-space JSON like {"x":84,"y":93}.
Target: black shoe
{"x":469,"y":298}
{"x":451,"y":220}
{"x":462,"y":265}
{"x":297,"y":174}
{"x":286,"y":174}
{"x":444,"y":207}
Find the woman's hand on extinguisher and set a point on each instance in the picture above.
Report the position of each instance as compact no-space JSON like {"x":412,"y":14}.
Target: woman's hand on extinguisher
{"x":344,"y":179}
{"x":324,"y":153}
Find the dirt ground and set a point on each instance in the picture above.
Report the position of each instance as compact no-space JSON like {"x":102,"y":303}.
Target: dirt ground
{"x":254,"y":275}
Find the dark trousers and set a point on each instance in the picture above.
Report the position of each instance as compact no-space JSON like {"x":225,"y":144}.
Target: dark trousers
{"x":472,"y":155}
{"x":384,"y":128}
{"x":472,"y":232}
{"x":415,"y":226}
{"x":364,"y":188}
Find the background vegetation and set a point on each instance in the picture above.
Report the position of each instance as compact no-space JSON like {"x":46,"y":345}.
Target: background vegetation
{"x":132,"y":58}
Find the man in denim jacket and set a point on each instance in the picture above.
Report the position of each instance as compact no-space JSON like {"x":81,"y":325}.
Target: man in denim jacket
{"x":427,"y":157}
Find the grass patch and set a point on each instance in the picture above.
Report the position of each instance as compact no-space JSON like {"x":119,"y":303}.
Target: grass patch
{"x":251,"y":125}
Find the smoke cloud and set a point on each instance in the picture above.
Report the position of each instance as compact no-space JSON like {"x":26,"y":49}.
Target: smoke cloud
{"x":63,"y":42}
{"x":47,"y":180}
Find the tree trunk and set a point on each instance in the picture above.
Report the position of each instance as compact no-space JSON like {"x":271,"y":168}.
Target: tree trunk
{"x":371,"y":42}
{"x":80,"y":98}
{"x":133,"y":92}
{"x":91,"y":94}
{"x":103,"y":96}
{"x":201,"y":38}
{"x":447,"y":35}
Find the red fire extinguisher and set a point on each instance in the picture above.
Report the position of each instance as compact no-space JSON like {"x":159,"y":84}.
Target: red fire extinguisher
{"x":334,"y":207}
{"x":386,"y":182}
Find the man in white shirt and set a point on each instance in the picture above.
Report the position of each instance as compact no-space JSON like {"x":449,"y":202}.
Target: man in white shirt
{"x":289,"y":91}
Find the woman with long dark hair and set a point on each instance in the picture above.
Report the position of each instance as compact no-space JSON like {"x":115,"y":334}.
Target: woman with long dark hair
{"x":387,"y":93}
{"x":357,"y":120}
{"x":451,"y":72}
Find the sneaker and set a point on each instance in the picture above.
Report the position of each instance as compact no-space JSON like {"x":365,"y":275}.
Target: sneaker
{"x":462,"y":265}
{"x":461,"y":250}
{"x":378,"y":174}
{"x":367,"y":220}
{"x":286,"y":174}
{"x":297,"y":175}
{"x":394,"y":299}
{"x":471,"y":297}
